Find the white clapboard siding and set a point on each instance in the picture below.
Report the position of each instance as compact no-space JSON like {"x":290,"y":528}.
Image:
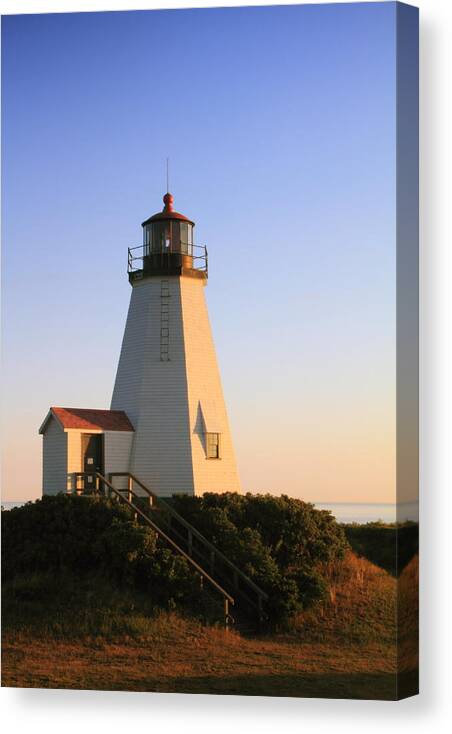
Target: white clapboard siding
{"x":154,"y":393}
{"x":162,"y":398}
{"x":74,"y":451}
{"x":205,"y":396}
{"x":117,"y":448}
{"x":54,"y":458}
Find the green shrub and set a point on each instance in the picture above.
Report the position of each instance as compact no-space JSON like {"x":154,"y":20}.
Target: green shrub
{"x":390,"y":546}
{"x":68,"y":538}
{"x":283,"y":544}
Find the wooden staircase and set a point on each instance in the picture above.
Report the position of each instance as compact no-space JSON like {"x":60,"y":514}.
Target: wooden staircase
{"x":224,"y":577}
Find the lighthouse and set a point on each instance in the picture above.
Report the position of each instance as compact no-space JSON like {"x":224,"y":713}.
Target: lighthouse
{"x":168,"y":426}
{"x":168,"y":382}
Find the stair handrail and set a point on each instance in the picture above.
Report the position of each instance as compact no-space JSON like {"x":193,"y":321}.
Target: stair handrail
{"x":159,"y":500}
{"x":162,"y":534}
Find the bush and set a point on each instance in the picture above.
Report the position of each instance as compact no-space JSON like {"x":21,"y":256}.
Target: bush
{"x":70,"y":537}
{"x":283,"y":544}
{"x":390,"y":546}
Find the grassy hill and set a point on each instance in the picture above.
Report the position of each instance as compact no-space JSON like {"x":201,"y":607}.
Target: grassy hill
{"x":408,"y":616}
{"x":342,"y":648}
{"x":360,"y":608}
{"x":100,"y":629}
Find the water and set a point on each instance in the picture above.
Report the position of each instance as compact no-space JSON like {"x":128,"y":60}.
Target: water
{"x":10,"y":505}
{"x":360,"y":512}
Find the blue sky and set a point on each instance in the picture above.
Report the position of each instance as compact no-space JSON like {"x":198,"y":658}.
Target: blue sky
{"x":280,"y":126}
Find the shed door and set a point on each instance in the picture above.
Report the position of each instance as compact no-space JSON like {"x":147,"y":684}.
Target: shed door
{"x":92,"y":456}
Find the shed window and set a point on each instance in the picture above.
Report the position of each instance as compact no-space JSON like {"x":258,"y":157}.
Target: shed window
{"x":213,"y":445}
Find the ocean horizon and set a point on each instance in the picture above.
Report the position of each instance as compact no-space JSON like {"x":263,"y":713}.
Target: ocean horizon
{"x":344,"y":512}
{"x":364,"y":512}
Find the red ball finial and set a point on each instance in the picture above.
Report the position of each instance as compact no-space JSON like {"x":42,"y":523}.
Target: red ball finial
{"x":168,"y":200}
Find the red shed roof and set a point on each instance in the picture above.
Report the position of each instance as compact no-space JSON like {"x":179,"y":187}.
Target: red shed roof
{"x":89,"y":419}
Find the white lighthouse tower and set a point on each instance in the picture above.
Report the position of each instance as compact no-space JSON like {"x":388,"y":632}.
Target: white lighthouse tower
{"x":168,"y":382}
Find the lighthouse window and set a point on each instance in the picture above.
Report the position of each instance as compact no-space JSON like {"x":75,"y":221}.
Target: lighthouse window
{"x":186,"y":236}
{"x":213,"y":445}
{"x":160,"y":235}
{"x":183,"y":236}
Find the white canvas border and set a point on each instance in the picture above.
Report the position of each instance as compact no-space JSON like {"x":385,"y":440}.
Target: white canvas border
{"x":50,"y":711}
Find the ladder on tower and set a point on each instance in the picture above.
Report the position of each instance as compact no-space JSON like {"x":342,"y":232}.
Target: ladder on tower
{"x":164,"y":321}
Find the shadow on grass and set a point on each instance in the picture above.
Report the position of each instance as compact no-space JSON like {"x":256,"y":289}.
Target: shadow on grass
{"x":373,"y":686}
{"x":369,"y":686}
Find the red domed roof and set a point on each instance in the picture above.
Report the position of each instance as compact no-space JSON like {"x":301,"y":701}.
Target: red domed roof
{"x":168,"y":212}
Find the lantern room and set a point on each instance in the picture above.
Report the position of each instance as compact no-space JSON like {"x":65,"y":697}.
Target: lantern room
{"x":168,"y":247}
{"x":168,"y":231}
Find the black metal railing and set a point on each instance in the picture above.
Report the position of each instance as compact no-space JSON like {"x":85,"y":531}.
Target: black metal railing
{"x":183,"y":537}
{"x":196,"y":545}
{"x":104,"y":486}
{"x":194,"y":255}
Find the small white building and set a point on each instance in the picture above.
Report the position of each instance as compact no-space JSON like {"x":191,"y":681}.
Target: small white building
{"x":83,"y":440}
{"x":167,"y":385}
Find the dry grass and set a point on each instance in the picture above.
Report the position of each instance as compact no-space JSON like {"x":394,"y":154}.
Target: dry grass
{"x":343,"y":649}
{"x":200,"y":661}
{"x":408,"y":611}
{"x":361,"y":607}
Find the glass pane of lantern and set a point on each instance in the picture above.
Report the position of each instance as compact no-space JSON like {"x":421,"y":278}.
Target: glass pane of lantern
{"x":183,"y":237}
{"x":158,"y":237}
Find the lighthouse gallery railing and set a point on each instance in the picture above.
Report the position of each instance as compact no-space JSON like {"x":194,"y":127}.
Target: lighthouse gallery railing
{"x":136,"y":256}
